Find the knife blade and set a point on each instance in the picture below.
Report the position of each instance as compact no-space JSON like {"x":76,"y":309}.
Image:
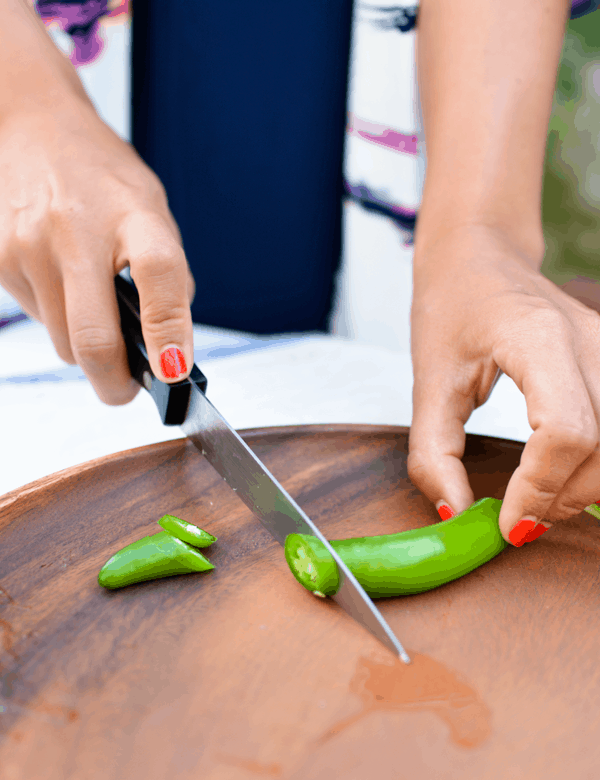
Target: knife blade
{"x":185,"y":404}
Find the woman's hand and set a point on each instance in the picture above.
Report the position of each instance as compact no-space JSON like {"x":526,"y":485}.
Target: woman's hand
{"x":487,"y":72}
{"x":77,"y":205}
{"x":479,"y":308}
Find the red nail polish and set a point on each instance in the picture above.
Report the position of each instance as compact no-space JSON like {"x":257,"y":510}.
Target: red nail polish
{"x":518,"y":534}
{"x":535,"y":533}
{"x":445,"y":512}
{"x":172,"y":363}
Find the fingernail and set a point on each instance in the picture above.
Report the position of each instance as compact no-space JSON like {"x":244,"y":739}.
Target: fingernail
{"x":536,"y":532}
{"x":172,"y":363}
{"x":445,"y":512}
{"x":521,"y":530}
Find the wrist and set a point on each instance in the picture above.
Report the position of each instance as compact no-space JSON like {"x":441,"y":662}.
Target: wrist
{"x":34,"y":74}
{"x":468,"y":241}
{"x":49,"y":88}
{"x":31,"y":119}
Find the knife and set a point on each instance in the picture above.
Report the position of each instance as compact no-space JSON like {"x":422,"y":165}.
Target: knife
{"x":185,"y":404}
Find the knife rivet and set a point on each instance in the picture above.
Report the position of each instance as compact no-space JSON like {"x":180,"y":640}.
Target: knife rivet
{"x":147,"y":380}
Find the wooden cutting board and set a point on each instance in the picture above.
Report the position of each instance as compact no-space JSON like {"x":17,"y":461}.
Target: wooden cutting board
{"x":239,"y":673}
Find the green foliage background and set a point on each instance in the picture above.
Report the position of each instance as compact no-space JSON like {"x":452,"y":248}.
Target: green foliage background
{"x":571,"y":194}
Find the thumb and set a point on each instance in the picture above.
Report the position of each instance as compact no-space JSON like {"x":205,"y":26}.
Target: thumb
{"x":161,"y":275}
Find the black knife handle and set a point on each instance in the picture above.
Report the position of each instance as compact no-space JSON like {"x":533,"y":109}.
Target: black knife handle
{"x":171,"y":399}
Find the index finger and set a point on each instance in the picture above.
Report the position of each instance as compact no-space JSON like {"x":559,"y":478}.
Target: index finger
{"x":565,"y":433}
{"x":160,"y":272}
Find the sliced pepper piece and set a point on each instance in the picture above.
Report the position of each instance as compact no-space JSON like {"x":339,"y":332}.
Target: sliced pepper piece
{"x":149,"y":558}
{"x":404,"y":563}
{"x":594,"y":510}
{"x":185,"y":531}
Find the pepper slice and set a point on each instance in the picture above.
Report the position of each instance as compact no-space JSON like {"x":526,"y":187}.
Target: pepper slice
{"x":404,"y":563}
{"x":185,"y":531}
{"x":149,"y":558}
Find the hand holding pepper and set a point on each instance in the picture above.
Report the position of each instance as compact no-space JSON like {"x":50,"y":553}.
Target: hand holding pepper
{"x":485,"y":311}
{"x":480,"y":303}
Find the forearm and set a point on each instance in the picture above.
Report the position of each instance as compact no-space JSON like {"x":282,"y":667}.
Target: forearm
{"x":33,"y":73}
{"x":487,"y":73}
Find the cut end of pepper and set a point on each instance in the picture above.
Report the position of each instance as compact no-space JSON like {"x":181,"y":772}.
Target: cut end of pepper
{"x":594,"y":510}
{"x":311,"y":564}
{"x":187,"y":532}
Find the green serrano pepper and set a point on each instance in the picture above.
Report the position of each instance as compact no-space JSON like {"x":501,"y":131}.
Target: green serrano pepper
{"x":150,"y":558}
{"x":404,"y":563}
{"x":185,"y":531}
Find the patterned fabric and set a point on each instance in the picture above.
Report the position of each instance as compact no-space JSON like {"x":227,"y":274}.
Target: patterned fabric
{"x":383,"y":163}
{"x":382,"y":111}
{"x":382,"y":146}
{"x":366,"y":117}
{"x":80,"y":19}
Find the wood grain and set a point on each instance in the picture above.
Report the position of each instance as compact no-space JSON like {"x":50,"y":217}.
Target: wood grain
{"x":239,"y":673}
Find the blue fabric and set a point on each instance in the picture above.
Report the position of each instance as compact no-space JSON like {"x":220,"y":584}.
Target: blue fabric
{"x":240,"y":110}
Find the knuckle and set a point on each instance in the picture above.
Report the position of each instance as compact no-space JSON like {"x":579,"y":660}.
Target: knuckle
{"x":155,"y":187}
{"x":565,"y":507}
{"x":144,"y":179}
{"x":134,"y":176}
{"x":25,"y":238}
{"x":543,"y":486}
{"x":543,"y":312}
{"x":543,"y":319}
{"x":573,"y":437}
{"x":160,"y":315}
{"x":418,"y":467}
{"x":97,"y":345}
{"x":158,"y":263}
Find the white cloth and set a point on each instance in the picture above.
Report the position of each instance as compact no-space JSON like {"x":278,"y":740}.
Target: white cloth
{"x":51,"y":419}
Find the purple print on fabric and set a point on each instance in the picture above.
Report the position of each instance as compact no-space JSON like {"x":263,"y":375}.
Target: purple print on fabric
{"x":401,"y":17}
{"x":12,"y":319}
{"x":403,"y":217}
{"x":80,"y":19}
{"x":381,"y":135}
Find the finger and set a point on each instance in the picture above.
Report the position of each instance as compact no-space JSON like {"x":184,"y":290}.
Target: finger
{"x":95,"y":331}
{"x":564,"y":435}
{"x":41,"y":296}
{"x":191,"y":287}
{"x":21,"y":290}
{"x":160,"y":272}
{"x":583,"y":487}
{"x":51,"y":306}
{"x":437,"y":439}
{"x":581,"y":490}
{"x":50,"y":301}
